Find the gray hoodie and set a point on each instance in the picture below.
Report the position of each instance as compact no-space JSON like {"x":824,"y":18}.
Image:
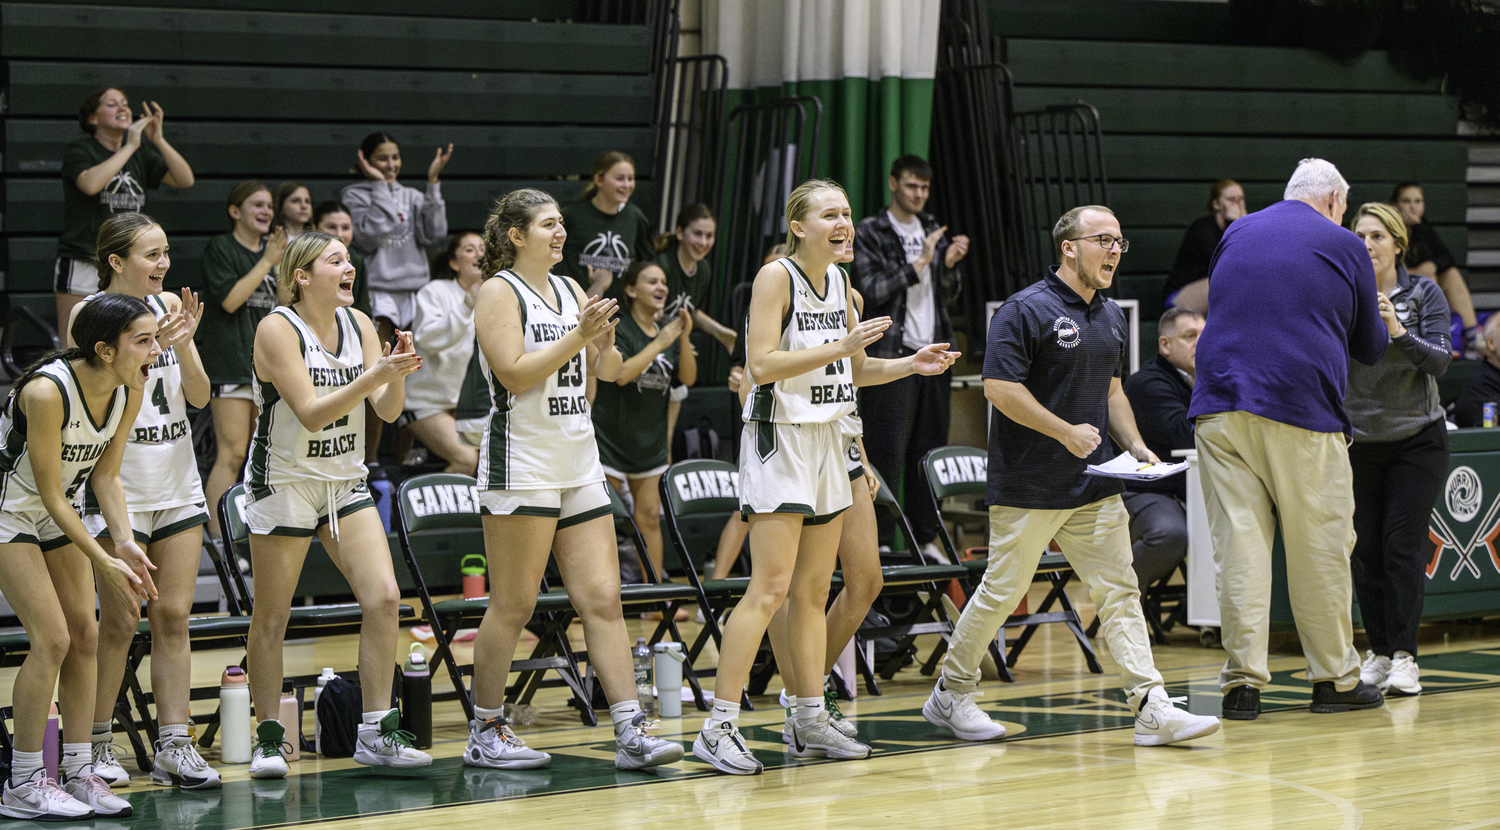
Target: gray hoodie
{"x":393,"y":225}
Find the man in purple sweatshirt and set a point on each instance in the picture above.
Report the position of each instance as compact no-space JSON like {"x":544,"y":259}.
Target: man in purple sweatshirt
{"x":1294,"y":300}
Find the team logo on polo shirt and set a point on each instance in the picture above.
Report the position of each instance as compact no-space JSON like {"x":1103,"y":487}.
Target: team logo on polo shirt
{"x":1068,"y":333}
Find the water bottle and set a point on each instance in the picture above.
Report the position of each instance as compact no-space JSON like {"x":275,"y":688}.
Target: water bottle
{"x":234,"y":716}
{"x":323,"y":679}
{"x":416,"y":697}
{"x":641,"y":655}
{"x":472,"y":567}
{"x":52,"y":743}
{"x":290,"y":715}
{"x":669,"y":659}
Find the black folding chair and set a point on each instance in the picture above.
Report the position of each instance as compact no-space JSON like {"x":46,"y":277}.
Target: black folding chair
{"x":440,"y":512}
{"x":962,"y":471}
{"x":697,"y":490}
{"x":910,"y":579}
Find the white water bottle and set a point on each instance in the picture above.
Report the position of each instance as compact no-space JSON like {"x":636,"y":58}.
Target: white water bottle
{"x":323,"y":679}
{"x":234,"y":716}
{"x":669,"y":658}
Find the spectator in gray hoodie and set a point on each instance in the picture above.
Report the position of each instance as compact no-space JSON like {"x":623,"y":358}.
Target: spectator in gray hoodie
{"x":1399,"y":456}
{"x":393,"y":225}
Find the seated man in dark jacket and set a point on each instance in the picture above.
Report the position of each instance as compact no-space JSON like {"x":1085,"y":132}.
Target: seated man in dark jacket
{"x":1160,"y":393}
{"x":1483,"y":385}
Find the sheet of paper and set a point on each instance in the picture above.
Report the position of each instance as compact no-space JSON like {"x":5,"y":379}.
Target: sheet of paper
{"x":1125,"y":466}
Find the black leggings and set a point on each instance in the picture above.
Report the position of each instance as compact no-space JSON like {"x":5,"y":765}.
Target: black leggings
{"x":1395,"y":486}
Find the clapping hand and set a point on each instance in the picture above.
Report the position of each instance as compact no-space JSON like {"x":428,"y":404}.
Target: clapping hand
{"x":178,"y":327}
{"x":439,"y":161}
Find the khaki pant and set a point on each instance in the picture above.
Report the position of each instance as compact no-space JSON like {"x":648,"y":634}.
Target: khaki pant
{"x":1096,"y":540}
{"x":1256,"y":471}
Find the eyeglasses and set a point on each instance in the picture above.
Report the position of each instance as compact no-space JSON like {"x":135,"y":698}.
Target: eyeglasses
{"x":1105,"y":241}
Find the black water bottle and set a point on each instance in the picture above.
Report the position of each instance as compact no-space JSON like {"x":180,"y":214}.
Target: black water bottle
{"x":416,"y":698}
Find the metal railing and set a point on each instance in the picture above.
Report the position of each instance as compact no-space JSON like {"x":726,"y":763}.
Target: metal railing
{"x":688,"y":133}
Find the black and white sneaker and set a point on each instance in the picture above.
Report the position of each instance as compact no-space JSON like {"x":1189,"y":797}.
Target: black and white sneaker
{"x":723,"y":748}
{"x":178,"y":764}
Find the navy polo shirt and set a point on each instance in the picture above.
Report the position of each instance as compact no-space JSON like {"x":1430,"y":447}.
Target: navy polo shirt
{"x":1065,"y":352}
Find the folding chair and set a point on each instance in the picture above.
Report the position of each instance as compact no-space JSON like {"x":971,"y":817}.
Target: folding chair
{"x":440,"y":512}
{"x":132,"y":708}
{"x":306,"y":621}
{"x":909,"y":579}
{"x":962,"y":471}
{"x":700,"y":489}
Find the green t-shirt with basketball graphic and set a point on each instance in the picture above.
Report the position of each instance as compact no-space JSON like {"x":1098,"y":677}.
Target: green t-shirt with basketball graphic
{"x":684,"y":291}
{"x":600,"y":240}
{"x":630,"y":421}
{"x":125,"y":193}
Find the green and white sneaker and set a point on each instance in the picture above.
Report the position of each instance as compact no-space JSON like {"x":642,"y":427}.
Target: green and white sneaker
{"x":268,"y":755}
{"x":386,"y":745}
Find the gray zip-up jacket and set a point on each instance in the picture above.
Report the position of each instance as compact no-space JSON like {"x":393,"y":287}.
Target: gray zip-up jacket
{"x":393,"y":225}
{"x":1398,"y":397}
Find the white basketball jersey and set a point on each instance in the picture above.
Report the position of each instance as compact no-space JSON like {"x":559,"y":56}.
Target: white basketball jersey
{"x":283,"y":451}
{"x":543,"y":438}
{"x":825,"y":394}
{"x":83,"y":441}
{"x":159,"y":469}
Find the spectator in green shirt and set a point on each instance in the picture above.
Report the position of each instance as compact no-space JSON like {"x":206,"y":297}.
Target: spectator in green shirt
{"x":630,"y":414}
{"x":605,"y":231}
{"x":106,"y":171}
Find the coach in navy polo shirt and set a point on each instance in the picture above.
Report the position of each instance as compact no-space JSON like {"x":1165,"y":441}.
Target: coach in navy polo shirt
{"x":1294,"y":300}
{"x":1052,"y":371}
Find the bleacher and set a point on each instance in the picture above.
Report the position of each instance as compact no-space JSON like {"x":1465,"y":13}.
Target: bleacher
{"x":285,"y":89}
{"x":1181,"y":105}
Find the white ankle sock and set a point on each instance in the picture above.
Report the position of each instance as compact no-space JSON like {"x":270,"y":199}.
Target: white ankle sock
{"x":103,"y":733}
{"x":172,"y":730}
{"x":808,"y":710}
{"x":623,"y":713}
{"x":23,"y":765}
{"x":370,"y":721}
{"x":74,"y":758}
{"x":723,"y":712}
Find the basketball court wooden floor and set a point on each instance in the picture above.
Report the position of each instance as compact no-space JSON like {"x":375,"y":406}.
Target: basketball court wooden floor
{"x":1068,"y":761}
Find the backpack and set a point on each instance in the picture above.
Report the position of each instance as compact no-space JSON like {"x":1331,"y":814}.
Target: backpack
{"x":700,"y":441}
{"x":338,"y":714}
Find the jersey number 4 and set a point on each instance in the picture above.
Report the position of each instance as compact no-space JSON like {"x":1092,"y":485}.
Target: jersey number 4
{"x":159,"y":398}
{"x":571,"y":373}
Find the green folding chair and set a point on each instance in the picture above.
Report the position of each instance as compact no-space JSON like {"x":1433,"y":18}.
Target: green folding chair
{"x":440,"y":513}
{"x":962,"y":471}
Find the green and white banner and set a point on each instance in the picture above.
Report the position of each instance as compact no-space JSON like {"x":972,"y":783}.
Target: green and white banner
{"x":871,"y":63}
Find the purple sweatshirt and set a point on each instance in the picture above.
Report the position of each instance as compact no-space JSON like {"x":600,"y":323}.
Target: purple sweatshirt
{"x":1292,"y":299}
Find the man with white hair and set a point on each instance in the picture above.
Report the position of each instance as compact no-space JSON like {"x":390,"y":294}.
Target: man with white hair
{"x":1294,"y":300}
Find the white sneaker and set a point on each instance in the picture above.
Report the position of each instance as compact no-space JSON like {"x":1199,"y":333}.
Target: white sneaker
{"x":723,"y":747}
{"x":268,"y":756}
{"x":1160,"y":723}
{"x":1403,"y":678}
{"x":106,"y":765}
{"x":934,"y":553}
{"x":88,"y":788}
{"x":1374,"y":669}
{"x":386,"y":745}
{"x":835,"y":715}
{"x":41,"y":799}
{"x":638,"y":749}
{"x":178,"y":764}
{"x":958,"y":713}
{"x":492,"y":744}
{"x":822,"y":740}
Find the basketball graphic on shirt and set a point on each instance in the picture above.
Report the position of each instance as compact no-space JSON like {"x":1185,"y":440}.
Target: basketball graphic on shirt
{"x":123,"y":194}
{"x":608,"y":251}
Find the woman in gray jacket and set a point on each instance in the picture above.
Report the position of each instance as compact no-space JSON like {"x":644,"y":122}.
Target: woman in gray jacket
{"x":1399,"y":455}
{"x":393,"y":225}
